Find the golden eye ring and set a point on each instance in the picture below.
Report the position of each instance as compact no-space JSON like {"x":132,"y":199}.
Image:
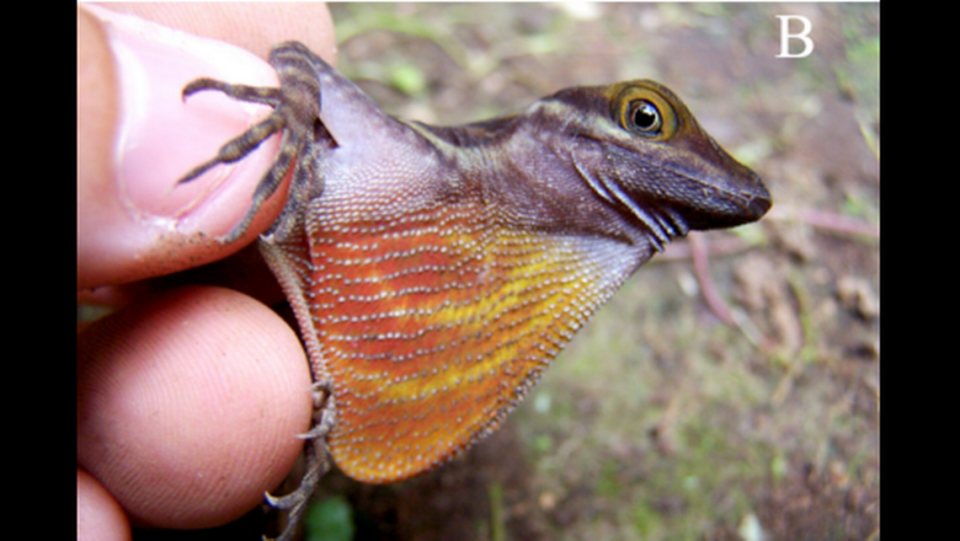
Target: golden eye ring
{"x":642,"y":110}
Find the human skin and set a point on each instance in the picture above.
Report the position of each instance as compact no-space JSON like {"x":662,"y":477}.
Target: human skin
{"x":189,"y":396}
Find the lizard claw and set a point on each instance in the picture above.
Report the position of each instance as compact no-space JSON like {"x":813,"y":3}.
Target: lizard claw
{"x":295,"y":503}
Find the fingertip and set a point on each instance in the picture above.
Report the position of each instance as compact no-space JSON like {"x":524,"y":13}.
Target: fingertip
{"x":99,"y":516}
{"x":189,"y":405}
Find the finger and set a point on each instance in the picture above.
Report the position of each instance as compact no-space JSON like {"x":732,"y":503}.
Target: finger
{"x":188,"y":406}
{"x":136,"y":138}
{"x":99,"y":516}
{"x":132,"y":222}
{"x":244,"y":271}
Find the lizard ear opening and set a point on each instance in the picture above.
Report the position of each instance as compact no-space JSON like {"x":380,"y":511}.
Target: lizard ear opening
{"x":322,"y":137}
{"x":321,"y":133}
{"x":644,"y":111}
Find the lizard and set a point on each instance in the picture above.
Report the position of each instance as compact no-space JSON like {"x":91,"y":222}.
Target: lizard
{"x":435,"y":272}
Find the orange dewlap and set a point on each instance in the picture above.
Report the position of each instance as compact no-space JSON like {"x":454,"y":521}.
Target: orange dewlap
{"x":435,"y":324}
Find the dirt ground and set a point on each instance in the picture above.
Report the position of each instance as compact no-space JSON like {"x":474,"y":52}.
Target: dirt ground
{"x":660,"y":420}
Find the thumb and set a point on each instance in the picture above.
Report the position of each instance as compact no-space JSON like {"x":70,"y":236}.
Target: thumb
{"x":136,"y":138}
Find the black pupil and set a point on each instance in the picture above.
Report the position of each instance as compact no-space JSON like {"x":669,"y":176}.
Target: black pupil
{"x":646,"y":117}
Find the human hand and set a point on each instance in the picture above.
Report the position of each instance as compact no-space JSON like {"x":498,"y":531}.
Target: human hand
{"x":188,"y":398}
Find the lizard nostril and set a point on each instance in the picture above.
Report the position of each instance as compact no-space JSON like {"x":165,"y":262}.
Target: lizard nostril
{"x":760,"y":205}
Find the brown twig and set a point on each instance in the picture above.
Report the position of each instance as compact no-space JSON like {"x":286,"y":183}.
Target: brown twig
{"x":824,"y":219}
{"x":720,"y":245}
{"x":698,"y":251}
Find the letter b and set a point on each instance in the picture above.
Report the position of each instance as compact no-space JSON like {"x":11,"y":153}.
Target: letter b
{"x":785,"y":36}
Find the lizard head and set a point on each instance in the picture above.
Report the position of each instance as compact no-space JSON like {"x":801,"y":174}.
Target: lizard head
{"x":639,"y":147}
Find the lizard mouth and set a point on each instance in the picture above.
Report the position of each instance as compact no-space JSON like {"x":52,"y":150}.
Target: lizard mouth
{"x":669,"y":200}
{"x":662,"y":222}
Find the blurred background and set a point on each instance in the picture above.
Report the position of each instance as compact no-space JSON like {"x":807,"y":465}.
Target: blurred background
{"x":668,"y":417}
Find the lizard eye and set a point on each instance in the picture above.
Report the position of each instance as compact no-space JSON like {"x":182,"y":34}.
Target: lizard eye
{"x":644,"y":118}
{"x":646,"y":109}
